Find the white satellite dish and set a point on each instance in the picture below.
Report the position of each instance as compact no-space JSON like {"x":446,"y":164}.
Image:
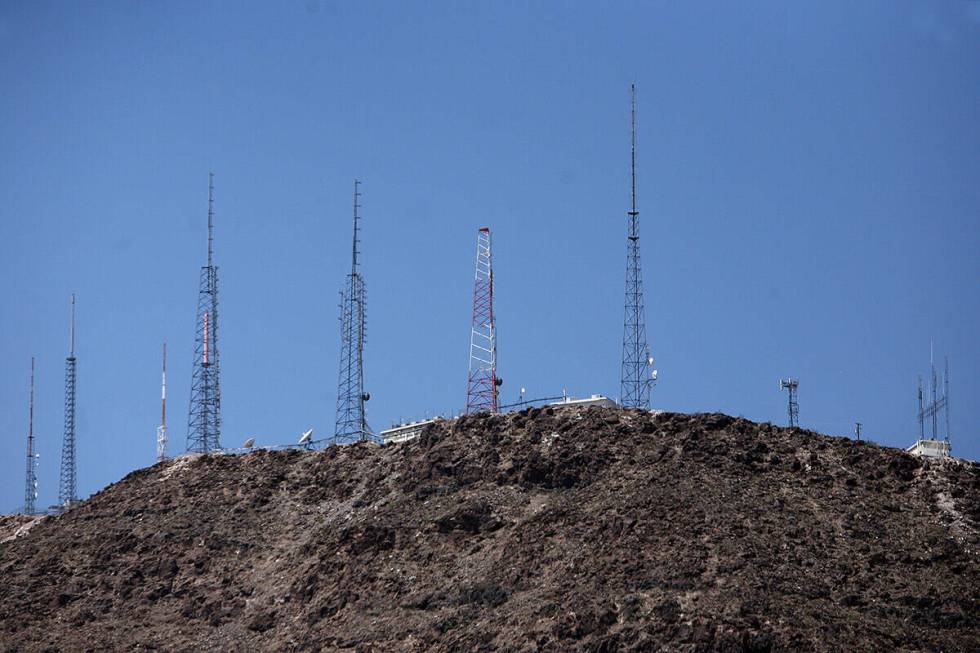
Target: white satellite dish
{"x":306,"y":436}
{"x":249,"y":443}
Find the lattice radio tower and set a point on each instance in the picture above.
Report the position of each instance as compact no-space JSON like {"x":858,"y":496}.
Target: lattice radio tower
{"x":483,"y":383}
{"x":204,"y":419}
{"x":793,"y":409}
{"x":638,"y":375}
{"x":30,"y":486}
{"x":938,"y":403}
{"x":67,"y":487}
{"x":162,"y":429}
{"x":351,"y":424}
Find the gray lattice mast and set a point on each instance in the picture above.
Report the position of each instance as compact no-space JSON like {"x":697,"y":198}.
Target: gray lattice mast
{"x":351,"y":424}
{"x":30,"y":485}
{"x":638,"y":376}
{"x":204,"y":418}
{"x":793,"y":410}
{"x":68,"y":487}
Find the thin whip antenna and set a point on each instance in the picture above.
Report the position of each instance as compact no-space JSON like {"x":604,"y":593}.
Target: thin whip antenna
{"x":163,"y":390}
{"x":357,"y":196}
{"x":210,"y":218}
{"x":633,"y":212}
{"x":71,"y":351}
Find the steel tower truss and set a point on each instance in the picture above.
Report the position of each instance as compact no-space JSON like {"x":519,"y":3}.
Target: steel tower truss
{"x":483,"y":383}
{"x":637,"y":374}
{"x":351,"y":421}
{"x":30,"y":484}
{"x":793,"y":408}
{"x":204,"y":418}
{"x":68,"y":487}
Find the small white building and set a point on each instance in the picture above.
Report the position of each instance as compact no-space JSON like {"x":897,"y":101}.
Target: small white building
{"x":594,"y":400}
{"x":407,"y":431}
{"x":930,"y":448}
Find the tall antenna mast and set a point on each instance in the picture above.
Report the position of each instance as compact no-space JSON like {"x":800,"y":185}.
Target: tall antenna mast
{"x":68,"y":485}
{"x":933,"y":398}
{"x":946,"y":397}
{"x":210,"y":219}
{"x":162,"y":429}
{"x":351,"y":419}
{"x":483,"y":383}
{"x":637,"y":374}
{"x":204,"y":416}
{"x":793,"y":410}
{"x":30,"y":486}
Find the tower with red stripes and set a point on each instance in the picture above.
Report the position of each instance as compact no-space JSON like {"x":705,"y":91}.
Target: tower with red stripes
{"x":483,"y":383}
{"x":204,"y":418}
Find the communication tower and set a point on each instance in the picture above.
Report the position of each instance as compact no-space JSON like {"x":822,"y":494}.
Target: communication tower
{"x":351,"y":424}
{"x":67,"y":487}
{"x":204,"y":418}
{"x":938,"y":403}
{"x":793,"y":410}
{"x":483,"y":384}
{"x":30,"y":487}
{"x":637,"y":375}
{"x":162,"y":429}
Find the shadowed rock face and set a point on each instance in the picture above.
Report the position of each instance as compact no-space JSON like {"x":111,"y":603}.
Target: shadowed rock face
{"x":554,"y":530}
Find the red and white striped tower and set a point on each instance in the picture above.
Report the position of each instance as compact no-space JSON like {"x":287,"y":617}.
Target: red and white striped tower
{"x":162,"y":429}
{"x":482,"y":385}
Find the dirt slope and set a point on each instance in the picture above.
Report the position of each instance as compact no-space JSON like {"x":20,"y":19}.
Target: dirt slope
{"x":573,"y":530}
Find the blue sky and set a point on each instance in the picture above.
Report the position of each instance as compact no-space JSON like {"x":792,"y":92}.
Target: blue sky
{"x":807,"y":186}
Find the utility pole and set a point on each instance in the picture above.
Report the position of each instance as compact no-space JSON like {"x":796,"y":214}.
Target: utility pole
{"x":30,"y":486}
{"x":204,"y":416}
{"x":68,"y":485}
{"x":857,"y":431}
{"x":794,"y":408}
{"x":351,"y":423}
{"x":637,"y":374}
{"x":162,"y":429}
{"x":483,"y":384}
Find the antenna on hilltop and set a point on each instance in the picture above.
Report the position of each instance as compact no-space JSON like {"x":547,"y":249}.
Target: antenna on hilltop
{"x":67,"y":486}
{"x":162,"y":429}
{"x":482,"y":384}
{"x":637,"y":375}
{"x":351,"y":424}
{"x":938,"y":403}
{"x":204,"y":416}
{"x":30,"y":485}
{"x":793,"y":410}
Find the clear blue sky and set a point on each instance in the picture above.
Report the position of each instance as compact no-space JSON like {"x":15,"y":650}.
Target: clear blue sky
{"x":808,"y":187}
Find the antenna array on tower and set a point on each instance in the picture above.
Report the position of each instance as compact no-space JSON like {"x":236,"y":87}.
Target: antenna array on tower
{"x":793,"y":409}
{"x":938,"y":404}
{"x":638,"y":376}
{"x":351,"y":424}
{"x":30,"y":484}
{"x":67,"y":487}
{"x":204,"y":418}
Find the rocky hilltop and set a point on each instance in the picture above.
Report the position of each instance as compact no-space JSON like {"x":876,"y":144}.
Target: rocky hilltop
{"x":548,"y":530}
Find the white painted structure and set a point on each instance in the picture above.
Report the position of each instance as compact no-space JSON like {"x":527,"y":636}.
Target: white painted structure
{"x":594,"y":400}
{"x":405,"y":432}
{"x":930,"y":449}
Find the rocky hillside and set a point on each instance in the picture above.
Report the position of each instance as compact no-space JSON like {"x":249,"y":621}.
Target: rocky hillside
{"x":548,"y":530}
